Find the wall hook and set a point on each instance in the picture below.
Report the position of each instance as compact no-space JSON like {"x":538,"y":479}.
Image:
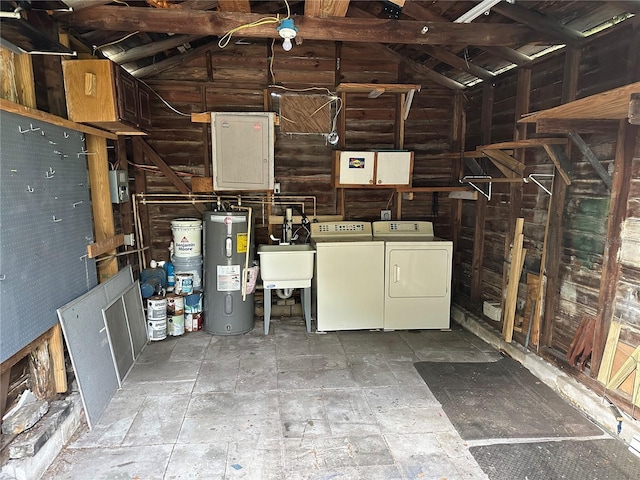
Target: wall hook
{"x":66,"y":135}
{"x":467,"y":178}
{"x":77,"y":203}
{"x":22,"y":131}
{"x":32,"y":128}
{"x":50,"y":173}
{"x":52,"y":142}
{"x":29,"y":189}
{"x":85,"y":152}
{"x":56,"y":220}
{"x":2,"y":277}
{"x":533,"y":176}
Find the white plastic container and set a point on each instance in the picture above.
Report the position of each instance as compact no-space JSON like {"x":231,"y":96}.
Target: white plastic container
{"x":187,"y":237}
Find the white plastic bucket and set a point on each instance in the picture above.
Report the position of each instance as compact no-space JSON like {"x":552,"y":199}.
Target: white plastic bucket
{"x":157,"y":329}
{"x":189,"y":265}
{"x":187,"y":237}
{"x":157,"y":308}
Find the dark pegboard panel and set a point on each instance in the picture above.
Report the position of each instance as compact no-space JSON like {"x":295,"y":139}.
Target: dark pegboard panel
{"x":45,"y":227}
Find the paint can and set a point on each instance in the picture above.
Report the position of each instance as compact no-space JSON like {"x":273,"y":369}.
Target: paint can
{"x":157,"y":308}
{"x":193,"y":321}
{"x":175,"y":315}
{"x":187,"y":237}
{"x":190,"y":265}
{"x":157,"y":329}
{"x":184,"y":283}
{"x":193,"y":303}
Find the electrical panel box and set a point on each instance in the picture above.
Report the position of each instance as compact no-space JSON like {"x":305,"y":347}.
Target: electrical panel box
{"x":119,"y":186}
{"x":243,"y":144}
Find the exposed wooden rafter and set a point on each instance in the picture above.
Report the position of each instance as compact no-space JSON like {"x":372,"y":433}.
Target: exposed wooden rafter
{"x":241,"y":6}
{"x":326,"y":8}
{"x":173,"y":61}
{"x":332,"y":28}
{"x":538,"y":22}
{"x":148,"y":50}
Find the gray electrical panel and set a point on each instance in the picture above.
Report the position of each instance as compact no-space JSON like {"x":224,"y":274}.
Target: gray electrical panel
{"x":242,"y":144}
{"x":45,"y":227}
{"x":119,"y":186}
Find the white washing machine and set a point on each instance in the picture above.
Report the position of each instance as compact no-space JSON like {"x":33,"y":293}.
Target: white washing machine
{"x":417,"y":286}
{"x":348,"y":282}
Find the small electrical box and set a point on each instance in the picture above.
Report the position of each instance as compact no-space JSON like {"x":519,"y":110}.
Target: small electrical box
{"x":119,"y":186}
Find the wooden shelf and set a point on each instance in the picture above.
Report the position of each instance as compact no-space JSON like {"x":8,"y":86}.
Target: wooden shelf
{"x":610,"y":105}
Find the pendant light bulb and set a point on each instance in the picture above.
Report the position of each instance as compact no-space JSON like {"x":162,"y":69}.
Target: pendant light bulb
{"x":287,"y":30}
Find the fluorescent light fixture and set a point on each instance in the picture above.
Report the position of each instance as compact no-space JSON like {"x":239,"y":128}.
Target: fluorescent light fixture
{"x":480,"y":9}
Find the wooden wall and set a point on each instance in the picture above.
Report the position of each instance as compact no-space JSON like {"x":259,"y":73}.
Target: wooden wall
{"x":235,"y":78}
{"x":603,"y":66}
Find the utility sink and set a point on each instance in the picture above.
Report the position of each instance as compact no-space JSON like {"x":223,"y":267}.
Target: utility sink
{"x":286,"y":266}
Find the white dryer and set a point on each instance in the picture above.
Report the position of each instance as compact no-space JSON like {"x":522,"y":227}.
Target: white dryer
{"x":348,"y":282}
{"x":417,"y":286}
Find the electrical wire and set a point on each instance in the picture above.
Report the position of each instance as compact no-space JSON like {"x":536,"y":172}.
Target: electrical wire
{"x":171,"y":107}
{"x":115,"y":41}
{"x":226,"y":38}
{"x":271,"y":58}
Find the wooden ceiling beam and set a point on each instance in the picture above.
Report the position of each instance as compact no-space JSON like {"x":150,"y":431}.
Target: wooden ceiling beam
{"x":455,"y":61}
{"x":421,"y":69}
{"x":174,"y":61}
{"x":514,"y":56}
{"x":241,"y":6}
{"x":326,"y":8}
{"x":150,"y":49}
{"x":417,"y":11}
{"x":181,"y":21}
{"x":538,"y":22}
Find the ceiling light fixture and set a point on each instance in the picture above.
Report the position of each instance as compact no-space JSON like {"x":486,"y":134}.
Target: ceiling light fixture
{"x":480,"y":9}
{"x":287,"y":31}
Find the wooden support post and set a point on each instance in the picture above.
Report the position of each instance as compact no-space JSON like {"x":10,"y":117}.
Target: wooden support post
{"x":101,"y":200}
{"x":515,"y":189}
{"x":457,"y":145}
{"x":400,"y":123}
{"x":40,"y":372}
{"x":17,"y":84}
{"x":550,"y":269}
{"x":620,"y":188}
{"x":590,"y":156}
{"x":486,"y":122}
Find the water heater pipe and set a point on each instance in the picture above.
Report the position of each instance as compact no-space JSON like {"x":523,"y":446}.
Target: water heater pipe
{"x":245,"y":273}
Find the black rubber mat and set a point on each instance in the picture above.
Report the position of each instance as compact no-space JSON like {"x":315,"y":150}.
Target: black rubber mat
{"x":501,"y":400}
{"x":567,"y":460}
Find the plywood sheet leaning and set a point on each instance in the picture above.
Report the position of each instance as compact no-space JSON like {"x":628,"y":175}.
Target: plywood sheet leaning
{"x":305,"y":113}
{"x":627,"y":368}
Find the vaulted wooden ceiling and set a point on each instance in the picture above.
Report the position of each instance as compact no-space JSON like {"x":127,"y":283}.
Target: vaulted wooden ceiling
{"x":431,"y":37}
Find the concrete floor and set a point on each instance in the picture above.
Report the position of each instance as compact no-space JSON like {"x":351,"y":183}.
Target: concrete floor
{"x":289,"y":405}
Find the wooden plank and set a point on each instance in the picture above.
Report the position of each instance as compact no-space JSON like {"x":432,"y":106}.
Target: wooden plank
{"x":612,"y":104}
{"x":604,"y":372}
{"x":376,"y":30}
{"x":56,"y":351}
{"x":103,"y":223}
{"x":533,"y":285}
{"x":368,"y":87}
{"x":174,"y":60}
{"x":150,"y":49}
{"x":105,"y":245}
{"x":560,"y":160}
{"x":627,"y":368}
{"x":242,"y":6}
{"x":515,"y":270}
{"x":506,"y":160}
{"x":634,"y":109}
{"x":8,"y":106}
{"x":590,"y":156}
{"x":326,"y":8}
{"x":455,"y":61}
{"x":526,"y":143}
{"x":435,"y":188}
